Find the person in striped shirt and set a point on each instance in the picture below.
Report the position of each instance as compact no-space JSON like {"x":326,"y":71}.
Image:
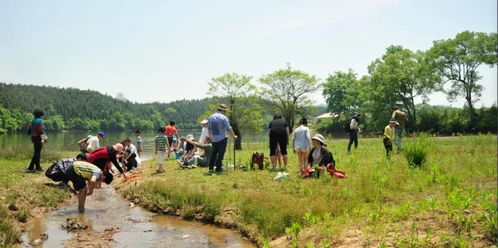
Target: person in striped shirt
{"x":79,"y":172}
{"x":161,"y":145}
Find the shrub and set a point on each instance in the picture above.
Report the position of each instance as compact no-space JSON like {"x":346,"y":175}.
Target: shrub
{"x":416,"y":152}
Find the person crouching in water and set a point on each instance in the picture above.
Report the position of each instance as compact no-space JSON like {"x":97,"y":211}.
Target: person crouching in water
{"x":389,"y":132}
{"x":83,"y":175}
{"x":319,"y":156}
{"x":106,"y":155}
{"x":130,"y":155}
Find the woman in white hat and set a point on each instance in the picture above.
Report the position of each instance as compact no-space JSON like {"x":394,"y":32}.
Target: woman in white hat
{"x":319,"y":154}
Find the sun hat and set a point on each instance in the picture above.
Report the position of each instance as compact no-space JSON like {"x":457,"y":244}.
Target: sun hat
{"x":101,"y":134}
{"x":205,"y":121}
{"x":320,"y":138}
{"x":222,"y":107}
{"x":118,"y":147}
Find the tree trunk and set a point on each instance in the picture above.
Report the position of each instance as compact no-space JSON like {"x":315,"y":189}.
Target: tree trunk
{"x":235,"y":126}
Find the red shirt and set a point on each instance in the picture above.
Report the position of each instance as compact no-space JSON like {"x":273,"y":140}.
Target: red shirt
{"x":170,"y":131}
{"x":103,"y":156}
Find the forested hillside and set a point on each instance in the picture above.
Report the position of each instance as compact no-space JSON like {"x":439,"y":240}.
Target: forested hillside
{"x":70,"y":108}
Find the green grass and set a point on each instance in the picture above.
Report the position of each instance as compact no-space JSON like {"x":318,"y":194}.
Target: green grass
{"x":20,"y":193}
{"x":451,"y":198}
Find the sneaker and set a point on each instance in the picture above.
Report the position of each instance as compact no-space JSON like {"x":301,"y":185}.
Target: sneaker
{"x":39,"y":169}
{"x":29,"y":171}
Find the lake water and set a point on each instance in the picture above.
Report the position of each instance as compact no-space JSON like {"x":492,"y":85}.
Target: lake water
{"x":67,"y":140}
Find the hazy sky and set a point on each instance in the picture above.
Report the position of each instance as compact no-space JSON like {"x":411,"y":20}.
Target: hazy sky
{"x":168,"y":50}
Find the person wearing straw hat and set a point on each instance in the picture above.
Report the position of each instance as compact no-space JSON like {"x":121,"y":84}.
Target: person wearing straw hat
{"x":389,"y":132}
{"x":219,"y":126}
{"x":319,"y":155}
{"x":204,"y":132}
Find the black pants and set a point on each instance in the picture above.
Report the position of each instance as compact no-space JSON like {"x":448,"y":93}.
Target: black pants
{"x":353,"y":137}
{"x":219,"y":149}
{"x":388,"y":144}
{"x":132,"y":162}
{"x":280,"y":140}
{"x":35,"y":160}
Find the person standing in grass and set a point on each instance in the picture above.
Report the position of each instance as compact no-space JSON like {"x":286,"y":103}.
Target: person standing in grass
{"x":218,"y":126}
{"x":353,"y":131}
{"x":302,"y":142}
{"x":389,"y":131}
{"x":160,"y":145}
{"x":36,"y":130}
{"x":279,"y":136}
{"x":140,"y":146}
{"x":172,"y":134}
{"x":401,"y":118}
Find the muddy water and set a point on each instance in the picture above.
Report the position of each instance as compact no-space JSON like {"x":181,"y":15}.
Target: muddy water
{"x":137,"y":227}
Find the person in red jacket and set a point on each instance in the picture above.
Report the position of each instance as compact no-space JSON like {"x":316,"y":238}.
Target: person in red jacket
{"x":106,"y":155}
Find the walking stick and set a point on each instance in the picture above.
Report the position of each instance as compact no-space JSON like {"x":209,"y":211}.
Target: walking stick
{"x":234,"y":140}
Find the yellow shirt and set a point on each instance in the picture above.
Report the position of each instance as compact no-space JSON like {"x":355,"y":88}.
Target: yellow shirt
{"x":86,"y":170}
{"x":389,"y":132}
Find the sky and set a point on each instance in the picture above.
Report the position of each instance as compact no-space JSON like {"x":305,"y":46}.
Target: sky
{"x":168,"y":50}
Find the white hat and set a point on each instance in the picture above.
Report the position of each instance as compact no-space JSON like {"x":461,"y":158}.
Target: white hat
{"x":190,"y":137}
{"x":205,"y":121}
{"x":320,"y":138}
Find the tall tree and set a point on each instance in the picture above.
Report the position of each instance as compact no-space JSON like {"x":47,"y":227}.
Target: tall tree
{"x":236,"y":89}
{"x":403,"y":75}
{"x":341,"y":92}
{"x":288,"y":90}
{"x":458,"y":59}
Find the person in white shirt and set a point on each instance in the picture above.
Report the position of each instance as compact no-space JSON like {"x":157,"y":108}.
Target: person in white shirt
{"x":354,"y":130}
{"x":91,"y":143}
{"x":204,"y":132}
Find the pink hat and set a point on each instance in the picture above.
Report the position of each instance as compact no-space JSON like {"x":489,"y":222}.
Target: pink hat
{"x":118,"y":147}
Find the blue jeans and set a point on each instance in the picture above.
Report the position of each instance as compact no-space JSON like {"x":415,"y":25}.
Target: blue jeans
{"x":219,"y":149}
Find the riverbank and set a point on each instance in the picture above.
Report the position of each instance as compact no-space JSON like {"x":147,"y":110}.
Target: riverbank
{"x":24,"y":195}
{"x":451,"y":201}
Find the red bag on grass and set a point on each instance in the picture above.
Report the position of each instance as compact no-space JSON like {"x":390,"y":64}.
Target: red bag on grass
{"x":335,"y":173}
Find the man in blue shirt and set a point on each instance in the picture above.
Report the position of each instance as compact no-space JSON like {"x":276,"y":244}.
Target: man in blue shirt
{"x":218,"y":126}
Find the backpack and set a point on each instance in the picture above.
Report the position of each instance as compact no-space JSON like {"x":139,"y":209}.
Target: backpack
{"x":347,"y":125}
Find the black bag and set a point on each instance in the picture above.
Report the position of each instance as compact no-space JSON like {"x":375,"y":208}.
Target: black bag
{"x":347,"y":126}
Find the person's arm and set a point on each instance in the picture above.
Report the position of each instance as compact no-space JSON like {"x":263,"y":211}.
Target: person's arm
{"x":192,"y":142}
{"x":120,"y":169}
{"x":226,"y":123}
{"x":92,"y":183}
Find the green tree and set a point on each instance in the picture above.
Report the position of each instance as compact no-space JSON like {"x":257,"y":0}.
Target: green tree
{"x":457,"y":61}
{"x":237,"y":89}
{"x":341,"y":92}
{"x":402,"y":75}
{"x":288,"y":91}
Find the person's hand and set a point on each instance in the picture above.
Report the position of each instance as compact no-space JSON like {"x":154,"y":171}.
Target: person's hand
{"x":235,"y":137}
{"x":125,"y":177}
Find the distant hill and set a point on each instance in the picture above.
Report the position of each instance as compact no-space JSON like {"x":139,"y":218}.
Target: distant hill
{"x":71,"y":108}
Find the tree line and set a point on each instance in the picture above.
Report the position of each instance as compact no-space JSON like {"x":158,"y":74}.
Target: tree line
{"x":401,"y":75}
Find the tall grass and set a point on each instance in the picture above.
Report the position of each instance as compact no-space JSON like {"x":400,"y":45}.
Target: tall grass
{"x":378,"y":196}
{"x":416,"y":151}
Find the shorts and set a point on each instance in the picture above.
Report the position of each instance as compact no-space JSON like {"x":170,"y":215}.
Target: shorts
{"x":160,"y":157}
{"x":170,"y":141}
{"x":302,"y":149}
{"x":78,"y":181}
{"x":279,"y":140}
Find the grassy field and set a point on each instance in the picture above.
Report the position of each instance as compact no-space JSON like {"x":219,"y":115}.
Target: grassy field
{"x":23,"y":195}
{"x":449,"y":202}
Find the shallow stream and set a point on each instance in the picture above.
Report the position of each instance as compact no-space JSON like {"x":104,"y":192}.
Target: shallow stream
{"x":137,"y":227}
